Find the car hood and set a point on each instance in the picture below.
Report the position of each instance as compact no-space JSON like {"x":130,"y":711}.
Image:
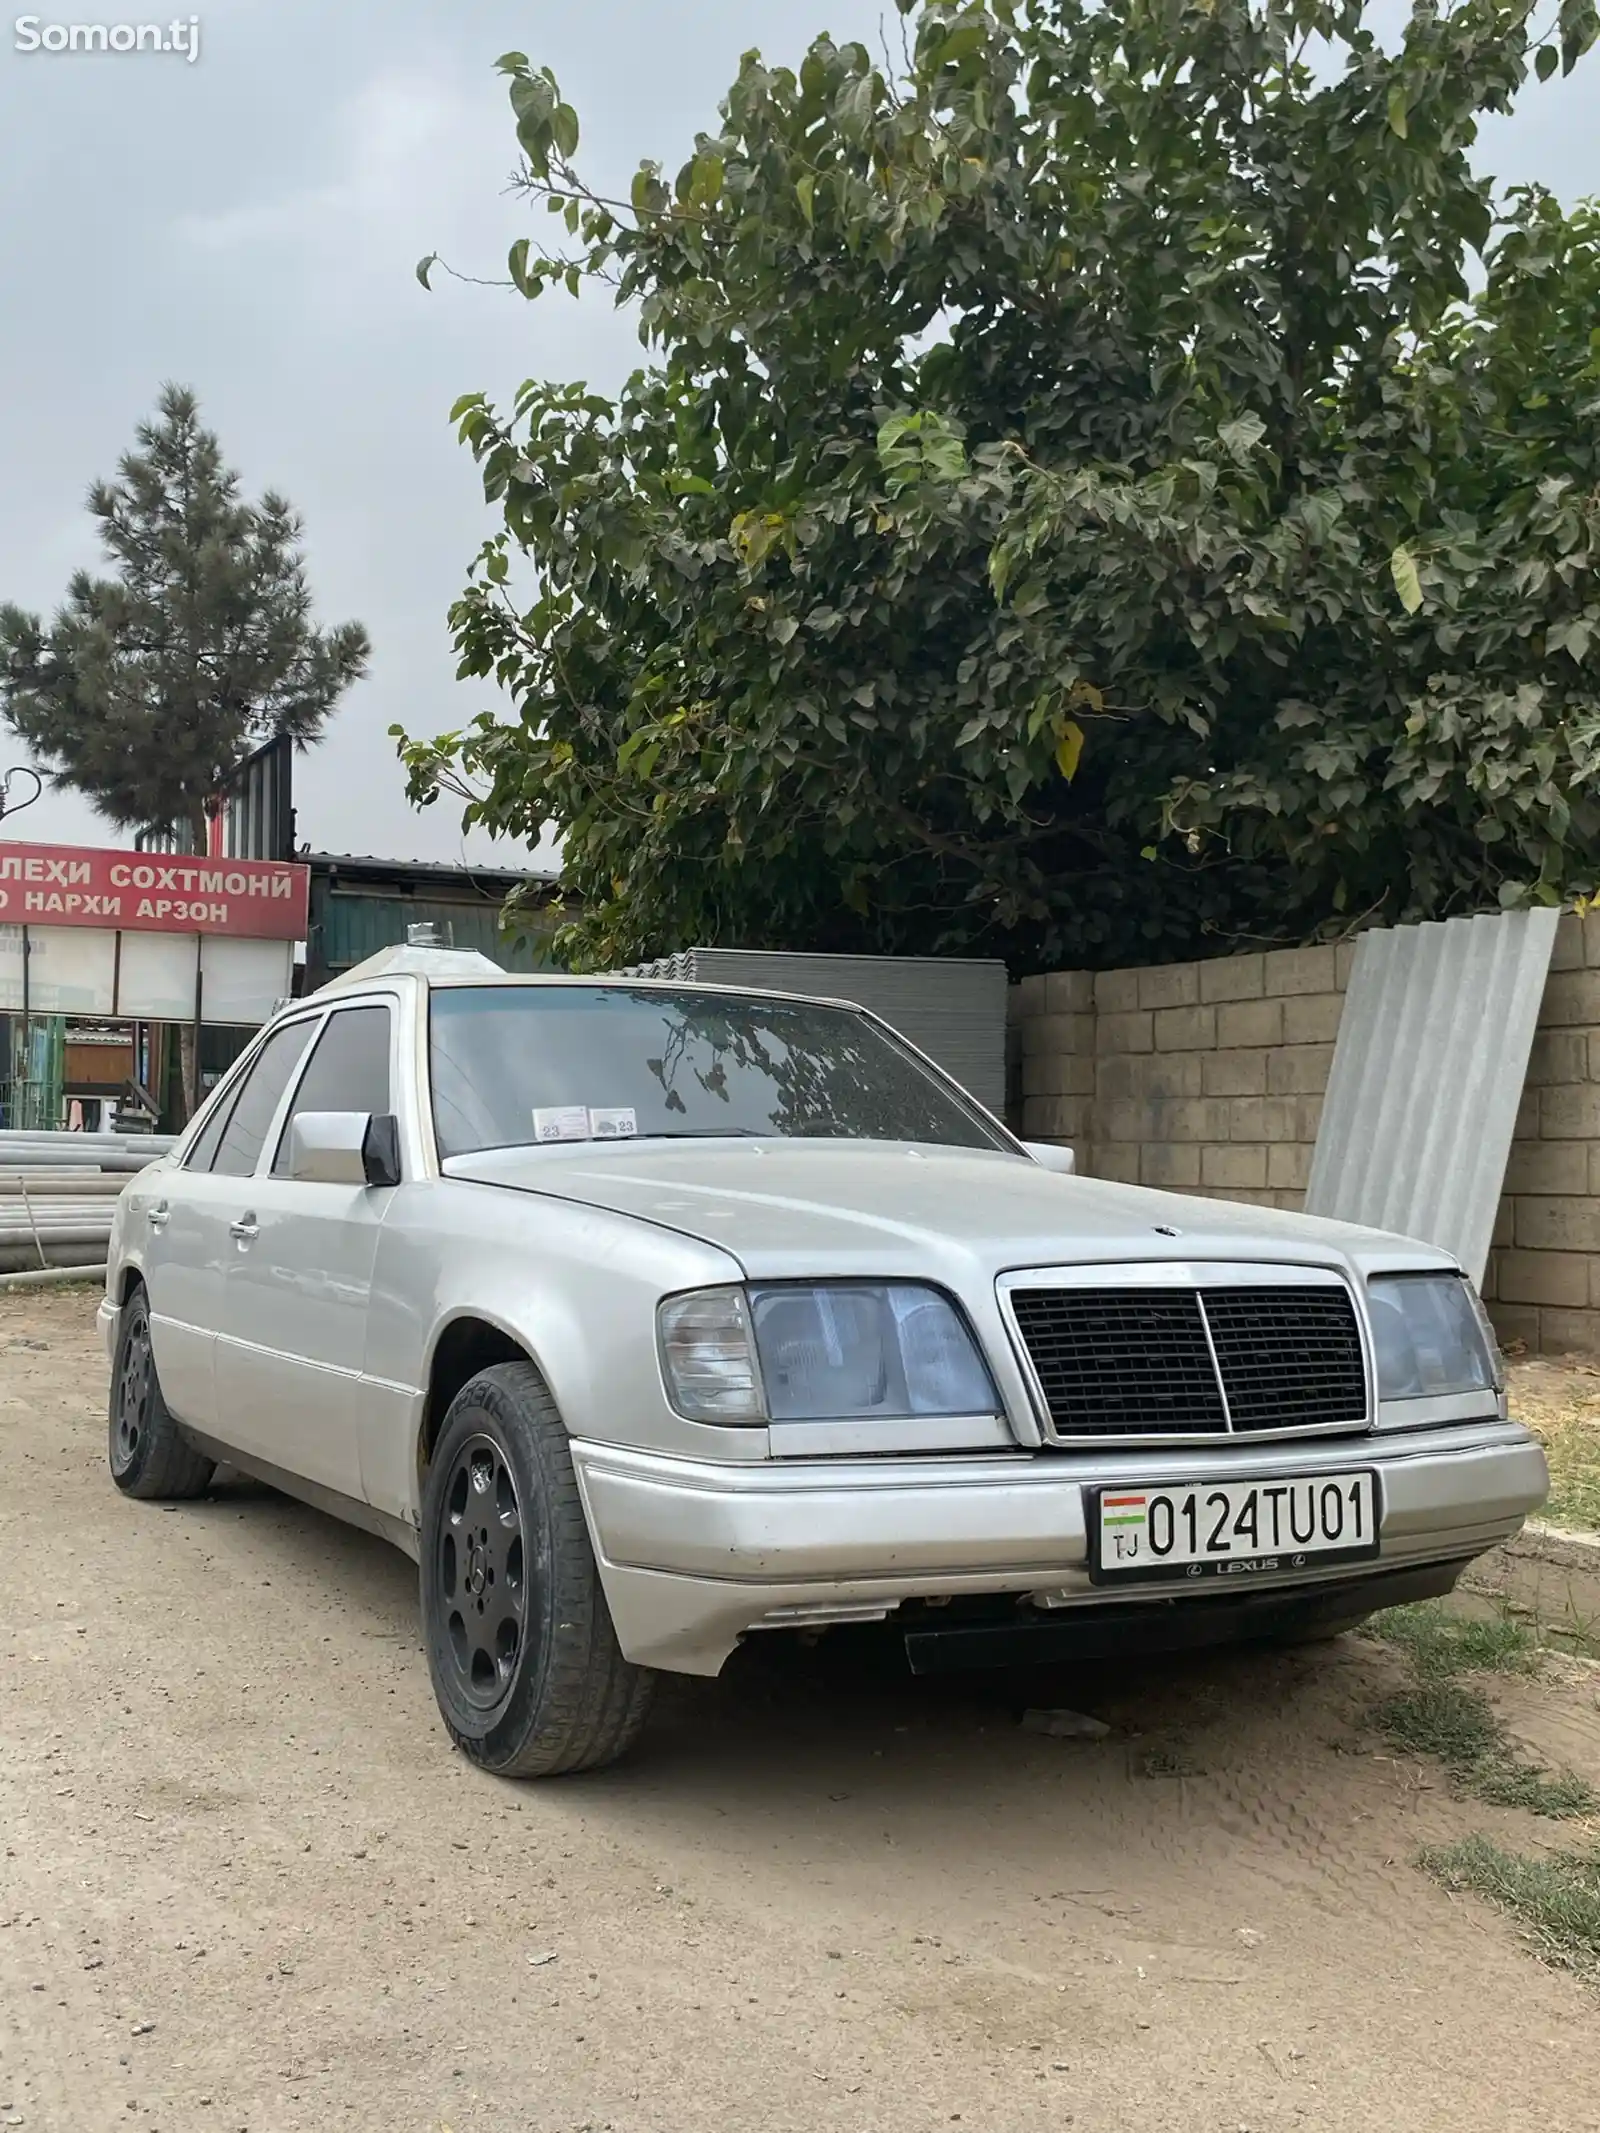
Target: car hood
{"x":785,"y":1208}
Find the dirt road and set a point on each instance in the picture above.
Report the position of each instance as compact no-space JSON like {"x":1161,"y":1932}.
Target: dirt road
{"x":247,"y":1886}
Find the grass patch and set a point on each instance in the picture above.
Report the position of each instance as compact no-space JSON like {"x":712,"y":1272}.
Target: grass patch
{"x":1574,"y":1499}
{"x":1558,"y":1795}
{"x":1456,"y":1725}
{"x":1441,"y":1644}
{"x":1561,"y":1405}
{"x":1557,"y":1898}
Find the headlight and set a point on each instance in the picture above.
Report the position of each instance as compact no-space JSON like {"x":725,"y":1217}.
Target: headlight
{"x":1432,"y":1337}
{"x":866,"y":1350}
{"x":841,"y":1351}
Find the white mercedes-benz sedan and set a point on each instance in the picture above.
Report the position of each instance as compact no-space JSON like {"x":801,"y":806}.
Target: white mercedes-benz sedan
{"x":652,"y":1317}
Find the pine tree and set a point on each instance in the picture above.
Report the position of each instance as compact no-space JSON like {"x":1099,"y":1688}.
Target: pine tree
{"x":150,"y":684}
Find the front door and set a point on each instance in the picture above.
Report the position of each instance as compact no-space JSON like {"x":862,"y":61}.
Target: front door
{"x":299,"y":1278}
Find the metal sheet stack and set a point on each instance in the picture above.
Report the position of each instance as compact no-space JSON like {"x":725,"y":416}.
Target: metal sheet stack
{"x":57,"y":1192}
{"x":1427,"y":1076}
{"x":952,"y":1008}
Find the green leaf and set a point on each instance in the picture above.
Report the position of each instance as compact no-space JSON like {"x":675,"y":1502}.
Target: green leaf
{"x":1578,"y":24}
{"x":1403,"y":570}
{"x":1240,"y":438}
{"x":706,"y":185}
{"x":1069,"y":747}
{"x":564,"y":130}
{"x":805,"y":192}
{"x":425,"y":267}
{"x":1546,"y":61}
{"x":1397,"y":110}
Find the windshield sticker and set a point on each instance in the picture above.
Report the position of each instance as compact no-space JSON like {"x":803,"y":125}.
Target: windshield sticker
{"x":613,"y":1122}
{"x":561,"y":1122}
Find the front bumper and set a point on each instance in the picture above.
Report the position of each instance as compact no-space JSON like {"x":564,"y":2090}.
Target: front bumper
{"x":694,"y":1555}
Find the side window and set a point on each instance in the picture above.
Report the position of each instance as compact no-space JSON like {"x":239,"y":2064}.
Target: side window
{"x":348,"y":1071}
{"x":241,"y":1140}
{"x":202,"y":1155}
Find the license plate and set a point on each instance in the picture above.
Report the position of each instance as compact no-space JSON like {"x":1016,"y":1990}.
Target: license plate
{"x":1208,"y":1529}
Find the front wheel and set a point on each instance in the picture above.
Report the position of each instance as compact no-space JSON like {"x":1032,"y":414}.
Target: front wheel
{"x":526,"y":1667}
{"x":150,"y":1456}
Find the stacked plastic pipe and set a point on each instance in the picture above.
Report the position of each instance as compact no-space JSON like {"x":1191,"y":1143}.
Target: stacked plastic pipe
{"x":57,"y":1193}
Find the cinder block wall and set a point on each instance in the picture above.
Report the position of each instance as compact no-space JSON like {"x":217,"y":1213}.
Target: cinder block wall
{"x":1209,"y":1077}
{"x":1543,"y":1283}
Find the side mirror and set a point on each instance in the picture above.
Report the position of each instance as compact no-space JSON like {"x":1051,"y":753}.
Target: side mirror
{"x":380,"y":1149}
{"x":344,"y":1148}
{"x":1051,"y":1157}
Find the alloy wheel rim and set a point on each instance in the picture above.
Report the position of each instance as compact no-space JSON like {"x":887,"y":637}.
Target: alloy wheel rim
{"x":481,"y":1561}
{"x":132,"y":1410}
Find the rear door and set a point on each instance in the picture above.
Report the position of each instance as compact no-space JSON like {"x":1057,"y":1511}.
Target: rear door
{"x":186,"y":1215}
{"x":298,"y":1289}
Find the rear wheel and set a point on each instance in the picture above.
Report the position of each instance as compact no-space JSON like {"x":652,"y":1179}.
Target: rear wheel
{"x":150,"y":1456}
{"x":526,"y":1667}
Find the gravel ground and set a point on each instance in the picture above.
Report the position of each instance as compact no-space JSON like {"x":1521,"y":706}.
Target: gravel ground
{"x":247,"y":1887}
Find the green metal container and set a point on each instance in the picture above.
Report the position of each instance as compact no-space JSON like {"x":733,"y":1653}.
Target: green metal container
{"x":348,"y":925}
{"x":30,"y":1098}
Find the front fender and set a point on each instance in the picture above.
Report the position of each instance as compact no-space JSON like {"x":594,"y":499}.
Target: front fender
{"x":575,"y":1287}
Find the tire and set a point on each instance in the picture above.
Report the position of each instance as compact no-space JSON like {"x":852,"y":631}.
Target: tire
{"x":526,"y":1667}
{"x":149,"y":1455}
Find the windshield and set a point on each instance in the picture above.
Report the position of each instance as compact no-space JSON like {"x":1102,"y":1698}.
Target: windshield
{"x":518,"y":1064}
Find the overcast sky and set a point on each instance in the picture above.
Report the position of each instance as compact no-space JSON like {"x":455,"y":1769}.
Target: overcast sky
{"x":249,"y":224}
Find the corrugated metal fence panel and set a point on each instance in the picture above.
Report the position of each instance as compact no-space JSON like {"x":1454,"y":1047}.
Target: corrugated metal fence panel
{"x":350,"y":927}
{"x":952,"y":1008}
{"x":1427,"y":1077}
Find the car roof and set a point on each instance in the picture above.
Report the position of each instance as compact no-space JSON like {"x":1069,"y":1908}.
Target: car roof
{"x":452,"y":970}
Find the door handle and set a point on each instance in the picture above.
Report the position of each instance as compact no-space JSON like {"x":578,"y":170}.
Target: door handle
{"x":157,"y":1216}
{"x":245,"y":1228}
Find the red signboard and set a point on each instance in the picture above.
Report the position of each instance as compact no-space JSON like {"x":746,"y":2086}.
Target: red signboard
{"x":152,"y":892}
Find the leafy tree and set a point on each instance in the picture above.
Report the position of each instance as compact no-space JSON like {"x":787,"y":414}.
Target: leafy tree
{"x":149,"y":685}
{"x":1077,"y":504}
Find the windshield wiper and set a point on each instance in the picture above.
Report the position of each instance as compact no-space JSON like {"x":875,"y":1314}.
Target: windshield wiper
{"x":700,"y":1133}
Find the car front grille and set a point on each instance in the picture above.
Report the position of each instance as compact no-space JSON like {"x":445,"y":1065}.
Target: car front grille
{"x":1174,"y":1362}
